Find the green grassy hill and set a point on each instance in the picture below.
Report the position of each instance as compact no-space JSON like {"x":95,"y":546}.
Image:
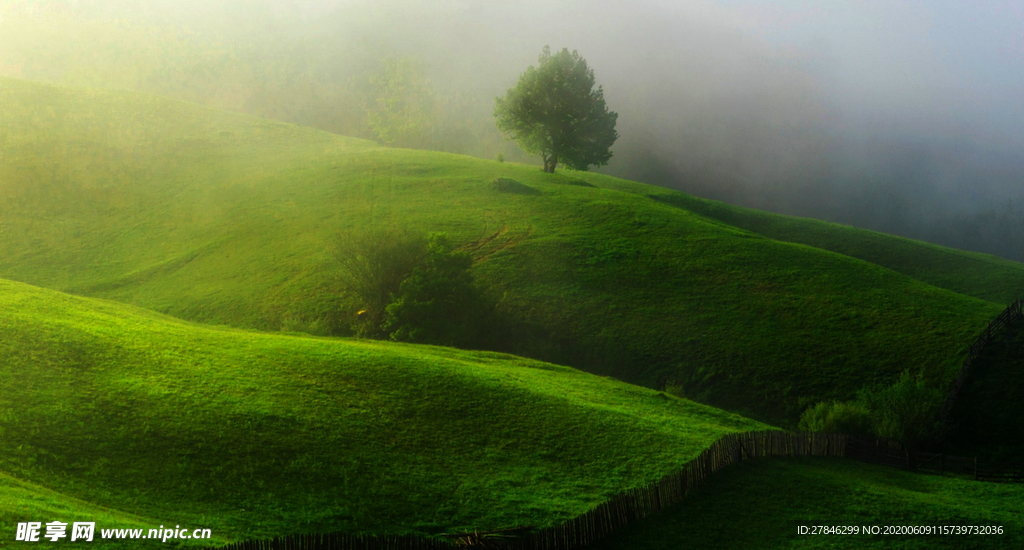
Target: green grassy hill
{"x":255,"y":434}
{"x":974,"y":274}
{"x":760,"y":504}
{"x":224,"y":219}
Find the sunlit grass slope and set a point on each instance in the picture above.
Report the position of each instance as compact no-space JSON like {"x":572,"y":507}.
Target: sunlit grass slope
{"x":760,"y":504}
{"x":255,"y":434}
{"x":225,"y":219}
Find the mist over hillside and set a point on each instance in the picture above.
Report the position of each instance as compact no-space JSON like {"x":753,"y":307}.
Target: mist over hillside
{"x":898,"y":116}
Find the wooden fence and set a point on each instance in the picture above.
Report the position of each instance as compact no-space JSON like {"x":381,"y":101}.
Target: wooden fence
{"x":1006,"y":472}
{"x":946,"y":464}
{"x":1013,"y":312}
{"x":642,"y":502}
{"x":892,"y":453}
{"x":877,"y":451}
{"x":622,"y":509}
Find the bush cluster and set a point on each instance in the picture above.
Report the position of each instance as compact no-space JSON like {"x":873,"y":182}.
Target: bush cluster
{"x":412,"y":288}
{"x":906,"y":411}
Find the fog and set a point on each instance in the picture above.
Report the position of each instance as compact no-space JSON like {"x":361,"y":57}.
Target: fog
{"x":892,"y":115}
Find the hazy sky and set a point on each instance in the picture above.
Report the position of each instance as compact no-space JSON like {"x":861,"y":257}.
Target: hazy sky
{"x":959,"y":62}
{"x":963,"y":61}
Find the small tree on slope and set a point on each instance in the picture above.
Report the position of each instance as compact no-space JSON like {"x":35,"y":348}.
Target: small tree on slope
{"x":555,"y":112}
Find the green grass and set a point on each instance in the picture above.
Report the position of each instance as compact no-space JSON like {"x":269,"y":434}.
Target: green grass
{"x":224,"y":219}
{"x":974,"y":274}
{"x":253,"y":434}
{"x":987,"y":419}
{"x":760,"y":505}
{"x":21,"y":501}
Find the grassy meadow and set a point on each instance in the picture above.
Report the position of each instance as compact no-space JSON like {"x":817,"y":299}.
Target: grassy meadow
{"x":175,"y":344}
{"x":22,"y":501}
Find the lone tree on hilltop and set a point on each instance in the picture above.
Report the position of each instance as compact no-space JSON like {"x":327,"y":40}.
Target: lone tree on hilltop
{"x":555,"y":112}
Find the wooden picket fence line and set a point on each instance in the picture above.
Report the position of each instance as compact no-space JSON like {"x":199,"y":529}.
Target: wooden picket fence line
{"x":892,"y":453}
{"x":1013,"y":312}
{"x":877,"y":451}
{"x":623,"y":509}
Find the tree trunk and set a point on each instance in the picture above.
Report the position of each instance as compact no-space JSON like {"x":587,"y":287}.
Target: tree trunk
{"x":549,"y":164}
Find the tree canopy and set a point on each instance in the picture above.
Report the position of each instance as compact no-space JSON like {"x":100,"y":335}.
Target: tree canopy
{"x":555,"y":112}
{"x":401,"y":109}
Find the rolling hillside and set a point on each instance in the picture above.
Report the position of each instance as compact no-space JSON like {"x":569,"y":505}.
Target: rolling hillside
{"x":225,"y":219}
{"x":254,"y":434}
{"x":974,"y":274}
